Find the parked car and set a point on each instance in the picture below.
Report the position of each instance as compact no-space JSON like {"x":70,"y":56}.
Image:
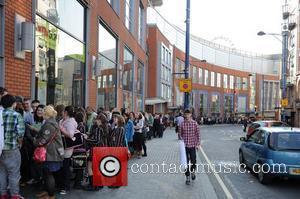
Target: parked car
{"x":265,"y":123}
{"x":277,"y":149}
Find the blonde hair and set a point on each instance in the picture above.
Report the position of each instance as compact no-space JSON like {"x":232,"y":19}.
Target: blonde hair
{"x":49,"y":111}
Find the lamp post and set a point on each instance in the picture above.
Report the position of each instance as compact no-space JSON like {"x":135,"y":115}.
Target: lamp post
{"x":187,"y":51}
{"x":284,"y":58}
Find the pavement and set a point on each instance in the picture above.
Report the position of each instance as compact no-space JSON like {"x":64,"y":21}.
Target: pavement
{"x":154,"y":185}
{"x":220,"y":144}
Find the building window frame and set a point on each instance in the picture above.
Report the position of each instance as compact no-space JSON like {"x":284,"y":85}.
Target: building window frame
{"x":129,"y":20}
{"x":141,"y":24}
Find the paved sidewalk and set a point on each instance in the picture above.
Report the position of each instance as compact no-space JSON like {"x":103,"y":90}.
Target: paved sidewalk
{"x":156,"y":186}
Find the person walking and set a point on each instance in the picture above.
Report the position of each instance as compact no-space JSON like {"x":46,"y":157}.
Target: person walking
{"x":10,"y":159}
{"x":189,"y":132}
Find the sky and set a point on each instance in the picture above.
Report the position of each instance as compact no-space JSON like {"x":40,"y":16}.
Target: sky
{"x":238,"y":21}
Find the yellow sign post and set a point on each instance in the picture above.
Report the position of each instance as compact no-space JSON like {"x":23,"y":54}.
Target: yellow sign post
{"x":284,"y":102}
{"x":185,"y":85}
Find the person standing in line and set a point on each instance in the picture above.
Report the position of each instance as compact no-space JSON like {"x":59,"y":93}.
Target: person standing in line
{"x":10,"y":159}
{"x":68,"y":126}
{"x":3,"y":92}
{"x":189,"y":132}
{"x":49,"y":136}
{"x":139,"y":138}
{"x":129,"y":132}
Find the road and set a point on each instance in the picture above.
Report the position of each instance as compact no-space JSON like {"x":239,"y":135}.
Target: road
{"x":220,"y":145}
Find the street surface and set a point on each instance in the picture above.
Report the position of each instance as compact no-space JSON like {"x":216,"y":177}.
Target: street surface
{"x":220,"y":145}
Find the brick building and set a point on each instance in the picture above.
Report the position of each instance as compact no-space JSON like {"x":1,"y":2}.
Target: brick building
{"x":84,"y":52}
{"x":225,"y":81}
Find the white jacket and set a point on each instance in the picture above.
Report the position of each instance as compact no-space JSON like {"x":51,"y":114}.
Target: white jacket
{"x":1,"y":131}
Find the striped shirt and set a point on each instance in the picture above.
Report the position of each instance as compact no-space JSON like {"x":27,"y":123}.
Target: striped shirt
{"x":190,"y":133}
{"x":14,"y":128}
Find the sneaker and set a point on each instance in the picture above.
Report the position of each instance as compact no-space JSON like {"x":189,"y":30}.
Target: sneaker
{"x":193,"y":176}
{"x":188,"y":180}
{"x":63,"y":192}
{"x":144,"y":155}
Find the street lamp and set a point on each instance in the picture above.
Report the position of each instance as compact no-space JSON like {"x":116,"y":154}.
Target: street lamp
{"x":284,"y":42}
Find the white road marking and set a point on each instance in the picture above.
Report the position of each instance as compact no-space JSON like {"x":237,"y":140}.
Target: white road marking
{"x":220,"y":181}
{"x":239,"y":195}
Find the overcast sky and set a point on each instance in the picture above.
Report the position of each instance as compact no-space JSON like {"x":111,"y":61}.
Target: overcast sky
{"x":237,"y":20}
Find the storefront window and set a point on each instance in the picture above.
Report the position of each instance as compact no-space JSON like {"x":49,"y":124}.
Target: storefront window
{"x":215,"y":103}
{"x":128,"y":79}
{"x":60,"y":62}
{"x":61,"y":13}
{"x":108,"y":68}
{"x":203,"y":104}
{"x":242,"y":104}
{"x":228,"y":104}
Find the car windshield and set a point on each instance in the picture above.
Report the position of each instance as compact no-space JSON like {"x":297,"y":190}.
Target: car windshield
{"x":278,"y":124}
{"x":285,"y":141}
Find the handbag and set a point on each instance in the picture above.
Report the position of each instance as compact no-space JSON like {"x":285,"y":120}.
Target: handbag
{"x":40,"y":153}
{"x":76,"y":141}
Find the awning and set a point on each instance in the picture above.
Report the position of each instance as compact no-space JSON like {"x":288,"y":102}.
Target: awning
{"x":152,"y":101}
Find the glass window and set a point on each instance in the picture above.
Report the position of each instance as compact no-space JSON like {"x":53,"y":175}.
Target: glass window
{"x":219,"y":80}
{"x":62,"y":13}
{"x":238,"y":83}
{"x":128,"y":78}
{"x":129,"y":11}
{"x":225,"y":81}
{"x":60,"y":75}
{"x":203,"y":104}
{"x":215,"y":103}
{"x":200,"y":76}
{"x":228,"y":104}
{"x":245,"y":83}
{"x":115,"y":4}
{"x":107,"y":65}
{"x":212,"y":79}
{"x":206,"y":78}
{"x":140,"y":77}
{"x":231,"y":83}
{"x":195,"y":74}
{"x":242,"y":104}
{"x":141,"y":24}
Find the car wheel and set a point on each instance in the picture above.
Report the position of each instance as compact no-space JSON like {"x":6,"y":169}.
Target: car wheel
{"x":263,"y":178}
{"x":242,"y":160}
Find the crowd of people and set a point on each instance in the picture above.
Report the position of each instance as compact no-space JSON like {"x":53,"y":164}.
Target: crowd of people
{"x":39,"y":142}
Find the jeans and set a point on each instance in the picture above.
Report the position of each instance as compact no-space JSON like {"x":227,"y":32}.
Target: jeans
{"x":10,"y":163}
{"x":191,"y":160}
{"x":66,"y":175}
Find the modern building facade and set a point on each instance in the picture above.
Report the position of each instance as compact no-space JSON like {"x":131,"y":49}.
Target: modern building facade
{"x":84,"y":52}
{"x":225,"y":81}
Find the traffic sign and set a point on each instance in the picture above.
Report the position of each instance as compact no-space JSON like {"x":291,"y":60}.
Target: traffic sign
{"x":185,"y":85}
{"x":284,"y":102}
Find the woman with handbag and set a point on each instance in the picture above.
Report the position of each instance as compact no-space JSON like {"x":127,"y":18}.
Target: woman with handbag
{"x":49,"y":151}
{"x":68,"y":127}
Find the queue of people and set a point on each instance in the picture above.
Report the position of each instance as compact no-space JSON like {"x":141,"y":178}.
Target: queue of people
{"x":38,"y":143}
